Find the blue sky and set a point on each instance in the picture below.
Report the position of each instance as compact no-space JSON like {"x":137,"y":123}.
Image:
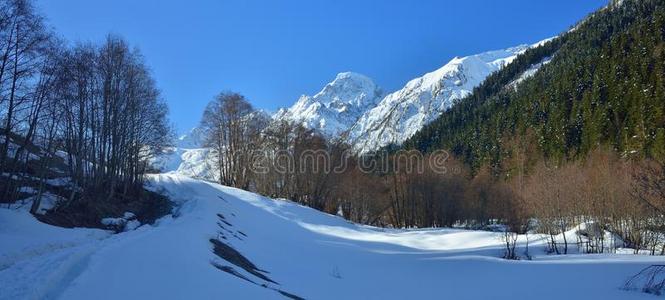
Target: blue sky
{"x":274,"y":51}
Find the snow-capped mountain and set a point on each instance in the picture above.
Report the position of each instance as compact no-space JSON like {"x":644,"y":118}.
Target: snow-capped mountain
{"x":353,"y":108}
{"x":402,"y":113}
{"x":193,"y":162}
{"x":188,"y":157}
{"x":336,"y":107}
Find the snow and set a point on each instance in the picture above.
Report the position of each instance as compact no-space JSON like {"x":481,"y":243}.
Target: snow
{"x":192,"y":140}
{"x":529,"y":72}
{"x":132,"y":225}
{"x":48,"y":201}
{"x":60,"y":181}
{"x":192,"y":162}
{"x":113,"y":221}
{"x":308,"y":253}
{"x":36,"y":259}
{"x":191,"y":158}
{"x":127,"y":222}
{"x":27,"y":190}
{"x":336,"y":107}
{"x":650,"y":280}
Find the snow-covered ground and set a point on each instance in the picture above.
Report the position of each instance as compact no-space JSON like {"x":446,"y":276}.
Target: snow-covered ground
{"x":306,"y":253}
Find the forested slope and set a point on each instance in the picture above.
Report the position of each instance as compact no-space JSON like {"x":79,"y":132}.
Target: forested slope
{"x":604,"y":85}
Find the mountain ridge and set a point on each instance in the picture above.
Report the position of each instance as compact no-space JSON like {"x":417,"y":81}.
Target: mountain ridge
{"x":375,"y":123}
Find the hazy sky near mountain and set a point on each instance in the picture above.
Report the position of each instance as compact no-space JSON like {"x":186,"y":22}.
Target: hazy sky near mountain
{"x":274,"y":51}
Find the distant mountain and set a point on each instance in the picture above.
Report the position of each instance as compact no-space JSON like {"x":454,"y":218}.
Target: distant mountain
{"x":354,"y":109}
{"x":191,"y":157}
{"x":336,"y":107}
{"x":188,"y":157}
{"x":402,"y":113}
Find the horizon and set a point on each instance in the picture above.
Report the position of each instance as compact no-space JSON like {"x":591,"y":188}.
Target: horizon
{"x":291,"y":49}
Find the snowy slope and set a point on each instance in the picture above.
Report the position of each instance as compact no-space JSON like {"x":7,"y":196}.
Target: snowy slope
{"x":188,"y":157}
{"x":336,"y":107}
{"x":192,"y":162}
{"x":402,"y":113}
{"x":306,"y":253}
{"x":529,"y":72}
{"x":191,"y":157}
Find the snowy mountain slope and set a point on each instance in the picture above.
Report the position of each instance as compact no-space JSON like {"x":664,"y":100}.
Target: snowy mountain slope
{"x":402,"y":113}
{"x":188,"y":157}
{"x":305,"y":252}
{"x":193,"y":162}
{"x":191,"y":157}
{"x":529,"y":72}
{"x":336,"y":107}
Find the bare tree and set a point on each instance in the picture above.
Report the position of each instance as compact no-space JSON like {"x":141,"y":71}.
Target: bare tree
{"x":232,"y":127}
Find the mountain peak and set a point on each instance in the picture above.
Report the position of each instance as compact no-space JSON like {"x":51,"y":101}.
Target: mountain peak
{"x":352,"y":76}
{"x":337,"y":106}
{"x":349,"y":87}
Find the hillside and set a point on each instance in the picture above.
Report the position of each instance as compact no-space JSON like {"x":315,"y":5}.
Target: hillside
{"x":188,"y":157}
{"x":226,"y":243}
{"x":604,"y":85}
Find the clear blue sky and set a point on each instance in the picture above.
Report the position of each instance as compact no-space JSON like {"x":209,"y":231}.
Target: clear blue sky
{"x":274,"y":51}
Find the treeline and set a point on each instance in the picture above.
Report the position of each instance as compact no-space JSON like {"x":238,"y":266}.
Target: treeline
{"x":94,"y":105}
